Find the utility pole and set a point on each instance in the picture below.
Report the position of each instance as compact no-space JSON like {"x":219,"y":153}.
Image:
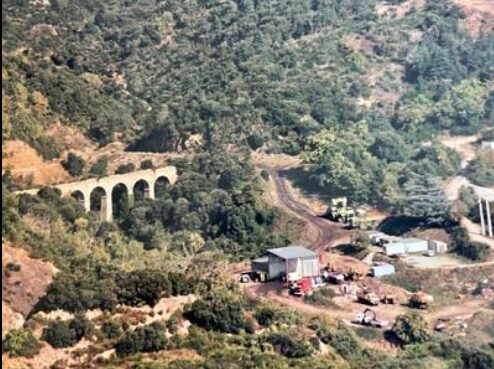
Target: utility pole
{"x":482,"y":222}
{"x":489,"y":220}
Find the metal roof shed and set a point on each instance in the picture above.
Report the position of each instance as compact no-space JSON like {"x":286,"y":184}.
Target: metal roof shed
{"x":382,"y":270}
{"x":293,"y":261}
{"x":260,"y":264}
{"x":415,"y":245}
{"x":292,"y":252}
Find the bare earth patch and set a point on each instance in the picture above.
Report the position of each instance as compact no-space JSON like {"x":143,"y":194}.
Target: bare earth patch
{"x":22,"y":289}
{"x":479,"y":16}
{"x":27,"y":165}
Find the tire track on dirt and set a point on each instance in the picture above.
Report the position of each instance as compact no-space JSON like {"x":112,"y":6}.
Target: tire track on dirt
{"x":329,"y":234}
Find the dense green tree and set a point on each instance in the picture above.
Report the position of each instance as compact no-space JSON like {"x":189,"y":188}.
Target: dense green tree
{"x":59,"y":334}
{"x":341,"y":160}
{"x":100,"y":166}
{"x":289,"y":346}
{"x":424,"y":198}
{"x":147,"y":164}
{"x":149,"y":338}
{"x":74,"y":164}
{"x":143,"y":287}
{"x":112,"y":329}
{"x":411,"y":328}
{"x":218,"y":311}
{"x":125,"y":168}
{"x":481,"y":170}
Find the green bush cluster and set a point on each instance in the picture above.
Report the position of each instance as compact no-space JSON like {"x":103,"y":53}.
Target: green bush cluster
{"x":268,"y":314}
{"x":149,"y":338}
{"x":20,"y":342}
{"x":106,"y":289}
{"x":219,"y":311}
{"x":63,"y":333}
{"x":472,"y":250}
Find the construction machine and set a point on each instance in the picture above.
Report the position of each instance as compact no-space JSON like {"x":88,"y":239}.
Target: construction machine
{"x":389,"y":299}
{"x":420,"y":300}
{"x":367,"y":297}
{"x":369,"y":318}
{"x":339,"y":211}
{"x":354,"y":275}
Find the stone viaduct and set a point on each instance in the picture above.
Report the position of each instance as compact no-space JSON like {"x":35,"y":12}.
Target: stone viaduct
{"x":83,"y":189}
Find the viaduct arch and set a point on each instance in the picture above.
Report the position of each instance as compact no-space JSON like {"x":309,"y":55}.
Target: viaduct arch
{"x":84,"y":189}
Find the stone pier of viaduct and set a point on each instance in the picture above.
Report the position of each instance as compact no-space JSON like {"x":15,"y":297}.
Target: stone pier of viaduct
{"x":83,"y":189}
{"x":486,"y":197}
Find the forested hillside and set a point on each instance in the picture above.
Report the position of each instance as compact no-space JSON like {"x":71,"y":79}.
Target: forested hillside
{"x":160,"y":71}
{"x":282,"y":75}
{"x":360,"y":90}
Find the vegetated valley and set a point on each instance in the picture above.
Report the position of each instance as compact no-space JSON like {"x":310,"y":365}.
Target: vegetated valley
{"x":267,"y":110}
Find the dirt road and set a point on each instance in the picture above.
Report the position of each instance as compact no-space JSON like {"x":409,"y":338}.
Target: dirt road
{"x":322,"y":233}
{"x":464,"y":145}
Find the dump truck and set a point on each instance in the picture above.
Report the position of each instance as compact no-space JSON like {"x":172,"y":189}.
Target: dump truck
{"x":420,"y":300}
{"x":368,"y":298}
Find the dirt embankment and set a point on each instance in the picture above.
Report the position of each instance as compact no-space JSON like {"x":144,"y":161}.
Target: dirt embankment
{"x":320,"y":233}
{"x":28,"y":167}
{"x":24,"y":281}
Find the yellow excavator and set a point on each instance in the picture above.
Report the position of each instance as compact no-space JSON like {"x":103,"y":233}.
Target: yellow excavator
{"x":339,"y":211}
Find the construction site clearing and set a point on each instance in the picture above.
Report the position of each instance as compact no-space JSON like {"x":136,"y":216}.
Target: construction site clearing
{"x":358,"y":297}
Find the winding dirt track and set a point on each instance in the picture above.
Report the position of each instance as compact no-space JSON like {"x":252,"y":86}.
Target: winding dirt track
{"x":328,"y":234}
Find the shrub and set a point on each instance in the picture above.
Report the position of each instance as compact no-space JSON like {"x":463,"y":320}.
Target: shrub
{"x":125,"y":168}
{"x":59,"y":334}
{"x":21,"y":342}
{"x":112,"y":329}
{"x":321,"y":297}
{"x":411,"y":328}
{"x":147,"y":164}
{"x":81,"y":326}
{"x":255,"y":141}
{"x":100,"y":167}
{"x":173,"y":321}
{"x":13,"y":267}
{"x":74,"y":164}
{"x":219,"y":311}
{"x":471,"y":250}
{"x":143,"y":287}
{"x":289,"y":346}
{"x":268,"y":314}
{"x":149,"y":338}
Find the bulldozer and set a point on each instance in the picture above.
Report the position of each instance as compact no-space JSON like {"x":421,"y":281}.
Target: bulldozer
{"x":420,"y":300}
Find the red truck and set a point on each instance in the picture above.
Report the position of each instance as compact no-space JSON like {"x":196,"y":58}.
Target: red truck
{"x":302,"y":286}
